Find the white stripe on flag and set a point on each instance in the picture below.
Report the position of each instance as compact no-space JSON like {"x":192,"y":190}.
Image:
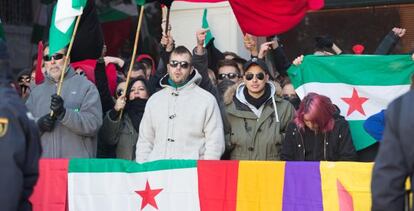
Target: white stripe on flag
{"x":378,"y":96}
{"x":114,"y":191}
{"x":65,"y":15}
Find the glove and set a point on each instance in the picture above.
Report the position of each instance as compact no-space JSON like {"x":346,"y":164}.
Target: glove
{"x":57,"y":107}
{"x":46,"y":123}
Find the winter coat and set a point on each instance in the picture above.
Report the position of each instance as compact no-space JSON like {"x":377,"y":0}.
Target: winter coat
{"x":395,"y":159}
{"x":335,"y":145}
{"x":120,"y":133}
{"x":19,"y":152}
{"x":181,"y":123}
{"x":252,"y":136}
{"x":74,"y":136}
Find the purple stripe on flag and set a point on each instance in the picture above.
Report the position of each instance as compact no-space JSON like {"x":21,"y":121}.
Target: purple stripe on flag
{"x":302,"y":189}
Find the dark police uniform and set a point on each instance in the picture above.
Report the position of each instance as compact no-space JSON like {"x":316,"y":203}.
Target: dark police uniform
{"x":20,"y":148}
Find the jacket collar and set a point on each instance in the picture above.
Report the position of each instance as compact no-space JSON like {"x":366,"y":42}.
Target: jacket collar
{"x":194,"y":78}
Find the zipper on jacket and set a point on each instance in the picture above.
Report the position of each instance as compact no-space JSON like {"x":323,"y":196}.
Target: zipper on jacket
{"x":303,"y":144}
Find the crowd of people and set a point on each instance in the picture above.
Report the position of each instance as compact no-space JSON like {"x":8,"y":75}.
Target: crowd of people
{"x":197,"y":103}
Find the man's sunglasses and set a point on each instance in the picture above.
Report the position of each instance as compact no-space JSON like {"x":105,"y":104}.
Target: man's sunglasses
{"x":183,"y":64}
{"x":57,"y":56}
{"x":259,"y":76}
{"x":222,"y":76}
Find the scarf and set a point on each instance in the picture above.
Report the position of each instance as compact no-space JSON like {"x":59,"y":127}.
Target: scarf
{"x":257,"y":102}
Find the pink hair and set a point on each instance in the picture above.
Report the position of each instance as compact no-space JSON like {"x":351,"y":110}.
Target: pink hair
{"x":320,"y":110}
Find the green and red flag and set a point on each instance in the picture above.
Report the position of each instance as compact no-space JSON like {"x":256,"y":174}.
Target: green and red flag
{"x":360,"y":85}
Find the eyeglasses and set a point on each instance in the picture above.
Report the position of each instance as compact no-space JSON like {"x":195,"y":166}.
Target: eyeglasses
{"x":222,"y":76}
{"x":183,"y":64}
{"x":259,"y":76}
{"x":57,"y":56}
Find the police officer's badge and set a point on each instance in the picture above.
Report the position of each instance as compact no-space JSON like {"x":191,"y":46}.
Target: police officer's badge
{"x":4,"y":122}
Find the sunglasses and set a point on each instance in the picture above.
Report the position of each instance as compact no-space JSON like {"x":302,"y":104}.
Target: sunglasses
{"x":55,"y":57}
{"x":250,"y":76}
{"x":183,"y":64}
{"x":222,"y":76}
{"x":24,"y":79}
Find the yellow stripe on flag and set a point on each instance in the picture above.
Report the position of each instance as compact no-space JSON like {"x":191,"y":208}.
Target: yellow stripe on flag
{"x":355,"y":182}
{"x":260,"y":185}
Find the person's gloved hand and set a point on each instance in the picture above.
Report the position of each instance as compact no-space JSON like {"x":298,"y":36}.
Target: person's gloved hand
{"x":46,"y":123}
{"x":57,"y":107}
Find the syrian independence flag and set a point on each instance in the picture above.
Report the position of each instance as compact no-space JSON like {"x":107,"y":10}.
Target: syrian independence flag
{"x":122,"y":185}
{"x":63,"y":22}
{"x":359,"y":85}
{"x":2,"y":35}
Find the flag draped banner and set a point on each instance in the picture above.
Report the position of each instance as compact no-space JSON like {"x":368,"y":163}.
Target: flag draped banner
{"x":359,"y":85}
{"x":63,"y":22}
{"x":110,"y":184}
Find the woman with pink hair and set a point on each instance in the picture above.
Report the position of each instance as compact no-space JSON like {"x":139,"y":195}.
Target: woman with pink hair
{"x":318,"y":133}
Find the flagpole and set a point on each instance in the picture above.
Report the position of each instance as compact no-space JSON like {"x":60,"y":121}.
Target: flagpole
{"x":141,"y":14}
{"x":62,"y":76}
{"x":167,"y":22}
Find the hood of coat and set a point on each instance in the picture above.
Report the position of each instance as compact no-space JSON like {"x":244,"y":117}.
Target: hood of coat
{"x":237,"y":90}
{"x":193,"y":78}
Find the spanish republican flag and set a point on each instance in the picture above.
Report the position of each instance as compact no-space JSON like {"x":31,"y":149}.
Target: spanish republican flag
{"x":112,"y":185}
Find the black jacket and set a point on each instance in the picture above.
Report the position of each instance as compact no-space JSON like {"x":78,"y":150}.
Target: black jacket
{"x":395,"y":159}
{"x":335,"y":145}
{"x":19,"y":152}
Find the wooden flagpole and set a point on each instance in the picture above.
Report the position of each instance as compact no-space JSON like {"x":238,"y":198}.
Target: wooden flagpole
{"x":134,"y":52}
{"x":62,"y":76}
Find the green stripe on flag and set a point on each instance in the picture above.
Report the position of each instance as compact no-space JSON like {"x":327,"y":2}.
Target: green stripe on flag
{"x":355,"y":70}
{"x":78,"y":4}
{"x":360,"y":138}
{"x":116,"y":165}
{"x":205,"y":25}
{"x":110,"y":14}
{"x":140,"y":2}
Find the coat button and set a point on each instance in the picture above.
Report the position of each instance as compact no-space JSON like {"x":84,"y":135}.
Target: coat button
{"x":250,"y":148}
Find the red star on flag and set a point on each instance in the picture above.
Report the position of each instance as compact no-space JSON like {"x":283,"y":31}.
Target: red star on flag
{"x":355,"y":103}
{"x":148,"y":196}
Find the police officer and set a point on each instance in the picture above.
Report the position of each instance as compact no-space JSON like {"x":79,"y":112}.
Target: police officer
{"x":19,"y":144}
